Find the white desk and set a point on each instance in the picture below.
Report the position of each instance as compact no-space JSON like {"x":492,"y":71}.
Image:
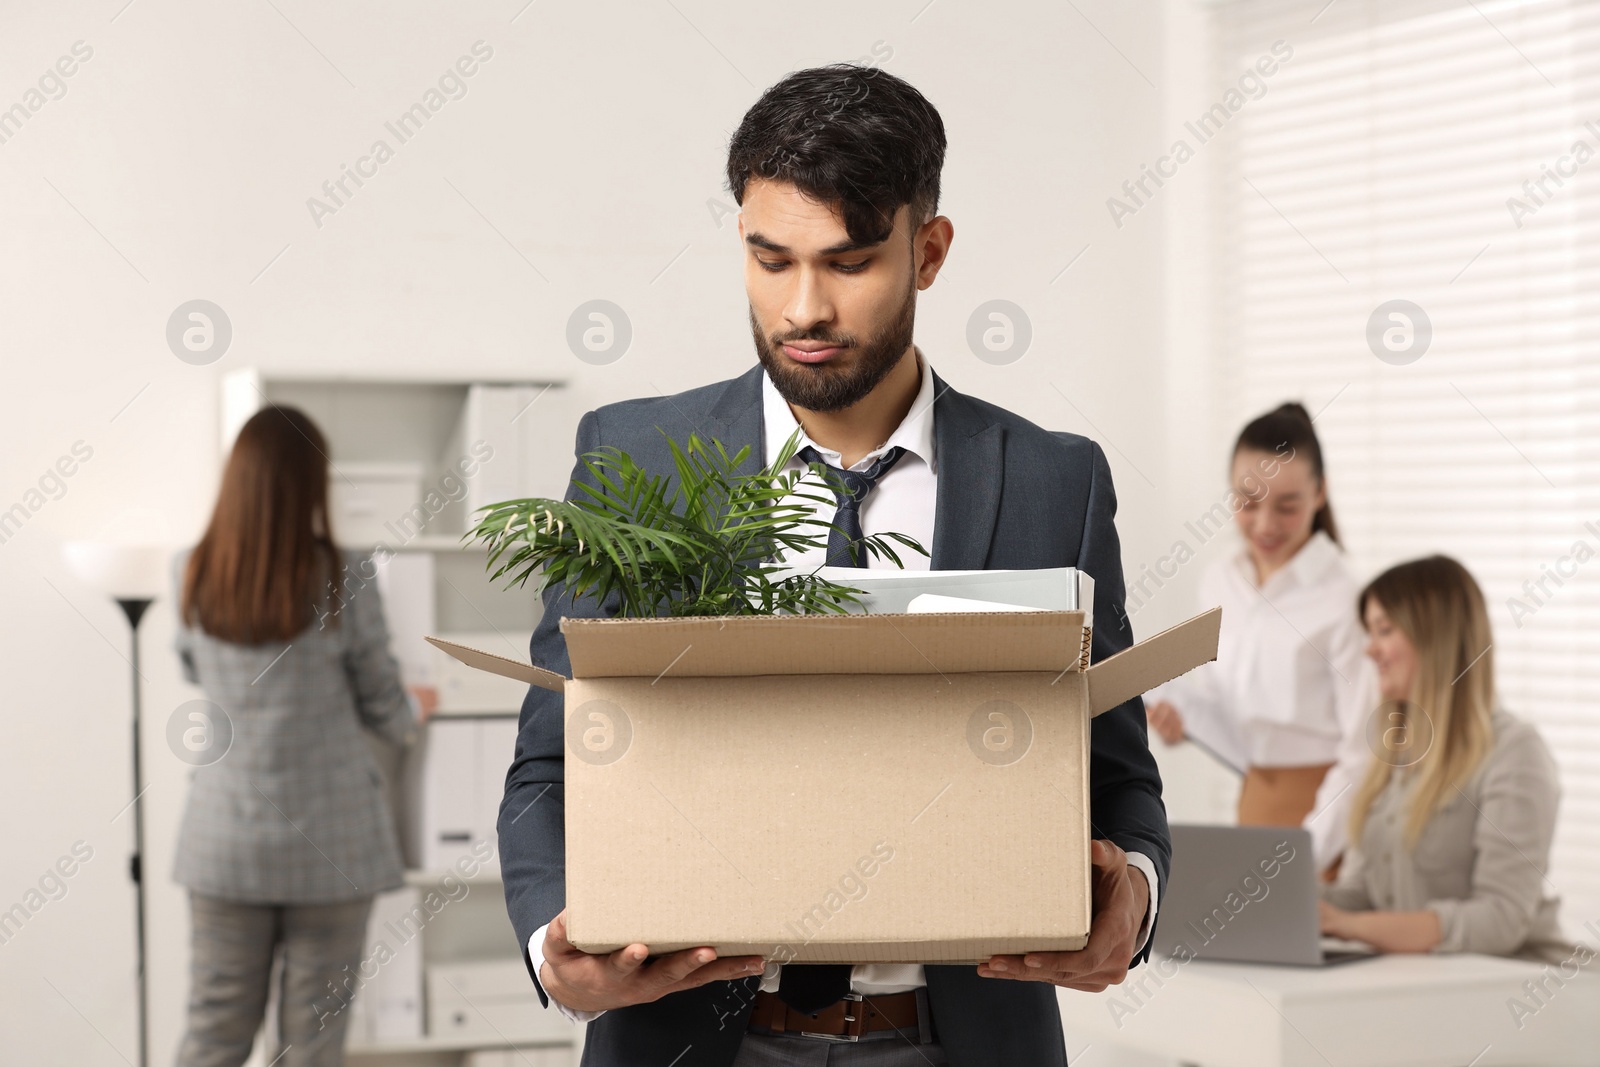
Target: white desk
{"x":1388,"y":1011}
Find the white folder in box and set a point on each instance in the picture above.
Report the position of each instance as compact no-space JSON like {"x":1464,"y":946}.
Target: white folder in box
{"x":887,"y":591}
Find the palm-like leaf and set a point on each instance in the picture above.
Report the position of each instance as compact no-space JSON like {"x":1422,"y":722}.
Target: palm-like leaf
{"x":706,"y":546}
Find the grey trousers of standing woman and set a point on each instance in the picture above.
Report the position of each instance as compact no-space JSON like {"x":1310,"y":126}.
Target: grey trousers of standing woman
{"x":230,"y":967}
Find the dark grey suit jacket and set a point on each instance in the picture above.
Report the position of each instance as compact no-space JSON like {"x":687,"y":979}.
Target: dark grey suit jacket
{"x":1010,"y":495}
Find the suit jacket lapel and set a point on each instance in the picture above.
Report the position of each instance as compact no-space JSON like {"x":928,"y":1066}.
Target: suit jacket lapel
{"x":969,"y":449}
{"x":736,"y":421}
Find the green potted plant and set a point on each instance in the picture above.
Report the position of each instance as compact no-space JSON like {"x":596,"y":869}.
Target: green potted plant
{"x":707,"y":545}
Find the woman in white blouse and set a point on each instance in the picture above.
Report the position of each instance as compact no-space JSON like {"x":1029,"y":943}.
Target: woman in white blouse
{"x":1287,"y":699}
{"x":1451,"y":823}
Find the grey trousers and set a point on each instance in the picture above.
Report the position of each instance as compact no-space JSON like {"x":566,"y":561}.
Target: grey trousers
{"x":782,"y":1050}
{"x":230,"y":968}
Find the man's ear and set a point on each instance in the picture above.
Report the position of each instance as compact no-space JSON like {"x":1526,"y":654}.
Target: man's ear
{"x":931,"y":245}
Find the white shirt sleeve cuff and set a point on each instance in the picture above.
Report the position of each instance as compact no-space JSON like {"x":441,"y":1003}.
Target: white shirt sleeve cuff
{"x":1148,"y":869}
{"x":1137,"y":859}
{"x":536,"y":953}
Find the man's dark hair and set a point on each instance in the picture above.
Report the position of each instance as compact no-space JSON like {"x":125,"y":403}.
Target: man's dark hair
{"x":849,"y":135}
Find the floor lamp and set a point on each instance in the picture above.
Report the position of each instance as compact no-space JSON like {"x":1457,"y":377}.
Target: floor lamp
{"x":132,"y":575}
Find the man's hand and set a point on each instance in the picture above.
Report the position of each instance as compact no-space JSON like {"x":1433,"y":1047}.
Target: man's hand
{"x":586,"y":982}
{"x":1121,"y":896}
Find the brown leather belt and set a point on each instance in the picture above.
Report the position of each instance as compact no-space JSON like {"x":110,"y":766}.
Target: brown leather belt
{"x":847,"y":1020}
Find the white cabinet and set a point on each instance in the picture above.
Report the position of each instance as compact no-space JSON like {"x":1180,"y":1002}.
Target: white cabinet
{"x":408,"y":581}
{"x":485,"y":998}
{"x":387,"y":1006}
{"x":532,"y":448}
{"x":451,"y":987}
{"x":369,"y":501}
{"x":462,"y":777}
{"x":410,"y":460}
{"x":463,"y":689}
{"x":451,"y":817}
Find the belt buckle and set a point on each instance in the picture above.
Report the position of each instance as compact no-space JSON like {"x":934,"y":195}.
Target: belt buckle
{"x":850,"y":1038}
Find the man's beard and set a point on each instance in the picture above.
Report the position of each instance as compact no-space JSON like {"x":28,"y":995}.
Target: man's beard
{"x":825,"y":387}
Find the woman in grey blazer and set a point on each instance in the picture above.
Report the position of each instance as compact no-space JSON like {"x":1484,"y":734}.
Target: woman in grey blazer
{"x":286,"y":836}
{"x":1450,"y":829}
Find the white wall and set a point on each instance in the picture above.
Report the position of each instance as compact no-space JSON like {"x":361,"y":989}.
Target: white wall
{"x":178,"y":165}
{"x":1196,"y":443}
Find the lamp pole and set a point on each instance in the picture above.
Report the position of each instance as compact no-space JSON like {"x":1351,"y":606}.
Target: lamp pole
{"x":134,"y":608}
{"x":133,"y":573}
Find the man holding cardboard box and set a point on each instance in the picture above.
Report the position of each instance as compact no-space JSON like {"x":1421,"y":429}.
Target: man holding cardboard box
{"x":836,"y":170}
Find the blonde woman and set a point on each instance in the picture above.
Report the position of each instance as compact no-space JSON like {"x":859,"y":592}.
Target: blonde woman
{"x":1450,"y":828}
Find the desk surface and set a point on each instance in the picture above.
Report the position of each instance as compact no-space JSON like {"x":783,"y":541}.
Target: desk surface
{"x":1386,"y":1011}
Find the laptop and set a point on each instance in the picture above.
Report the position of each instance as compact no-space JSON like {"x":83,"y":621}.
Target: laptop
{"x":1248,"y":894}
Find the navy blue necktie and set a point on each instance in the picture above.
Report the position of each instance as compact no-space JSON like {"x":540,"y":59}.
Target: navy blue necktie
{"x":844,"y":549}
{"x":810,"y":987}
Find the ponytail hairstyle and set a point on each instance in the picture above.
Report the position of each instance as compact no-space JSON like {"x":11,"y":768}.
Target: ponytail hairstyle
{"x":1288,"y":427}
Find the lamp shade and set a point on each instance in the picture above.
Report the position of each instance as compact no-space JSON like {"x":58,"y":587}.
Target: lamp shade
{"x":124,"y":571}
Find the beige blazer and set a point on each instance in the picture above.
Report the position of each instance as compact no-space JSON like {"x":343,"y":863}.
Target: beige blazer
{"x":1481,"y":861}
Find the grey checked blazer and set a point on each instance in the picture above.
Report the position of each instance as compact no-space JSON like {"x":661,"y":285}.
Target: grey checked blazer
{"x":294,"y":811}
{"x":1010,"y":495}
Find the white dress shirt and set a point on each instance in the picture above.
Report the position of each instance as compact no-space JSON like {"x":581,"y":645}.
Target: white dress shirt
{"x":902,"y":501}
{"x":1291,"y":685}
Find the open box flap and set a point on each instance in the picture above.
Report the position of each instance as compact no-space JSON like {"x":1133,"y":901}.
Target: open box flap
{"x":501,"y":665}
{"x":1157,"y":659}
{"x":743,"y":645}
{"x":859,"y":644}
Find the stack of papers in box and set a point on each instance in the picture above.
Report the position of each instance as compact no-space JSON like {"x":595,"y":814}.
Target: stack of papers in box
{"x":885,"y":591}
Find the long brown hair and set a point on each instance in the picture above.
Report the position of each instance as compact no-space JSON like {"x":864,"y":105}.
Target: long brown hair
{"x":1289,"y":426}
{"x":255,"y":575}
{"x":1436,"y":603}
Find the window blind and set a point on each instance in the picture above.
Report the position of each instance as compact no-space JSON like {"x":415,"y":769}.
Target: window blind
{"x":1446,"y":154}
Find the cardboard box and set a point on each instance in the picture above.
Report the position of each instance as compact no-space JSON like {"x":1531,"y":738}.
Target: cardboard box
{"x":897,"y":788}
{"x":462,"y":689}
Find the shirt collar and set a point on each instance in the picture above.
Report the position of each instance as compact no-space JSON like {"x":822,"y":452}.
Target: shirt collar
{"x":914,"y":434}
{"x":1307,"y":567}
